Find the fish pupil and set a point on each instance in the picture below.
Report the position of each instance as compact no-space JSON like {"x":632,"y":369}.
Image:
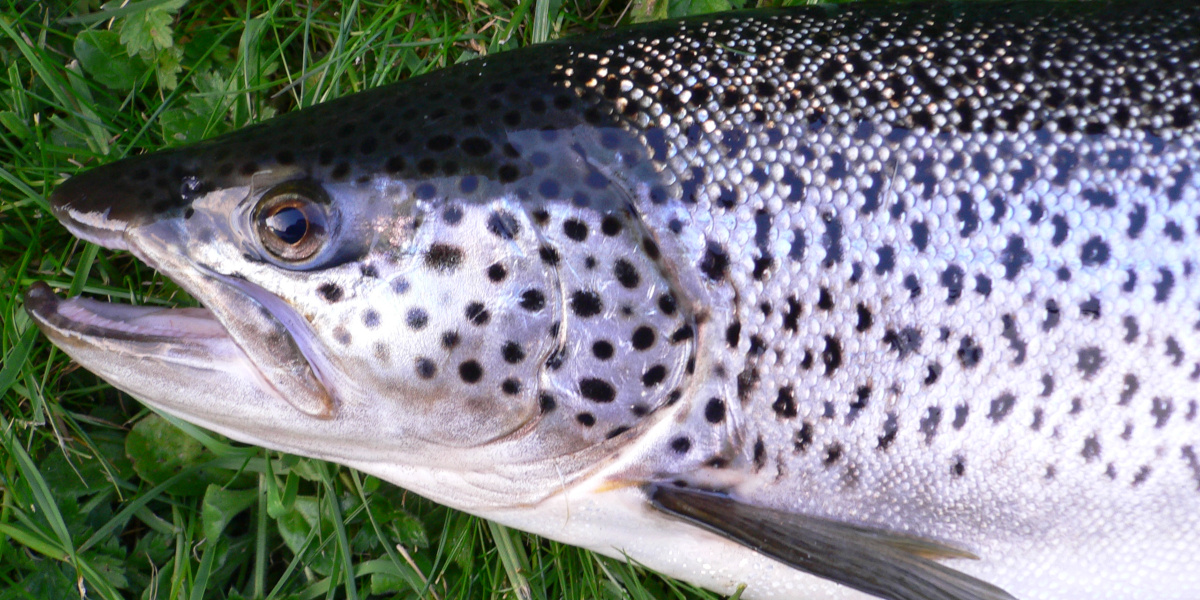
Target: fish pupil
{"x":289,"y":224}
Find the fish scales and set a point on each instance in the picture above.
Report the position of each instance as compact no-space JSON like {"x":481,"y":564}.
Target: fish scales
{"x":923,"y":271}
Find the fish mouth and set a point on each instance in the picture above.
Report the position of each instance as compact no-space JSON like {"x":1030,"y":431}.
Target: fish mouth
{"x":246,"y":325}
{"x":84,"y":318}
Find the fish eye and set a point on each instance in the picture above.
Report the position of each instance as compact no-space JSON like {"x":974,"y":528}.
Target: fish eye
{"x":290,"y":220}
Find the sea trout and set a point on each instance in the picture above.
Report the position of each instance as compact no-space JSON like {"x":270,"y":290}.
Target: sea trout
{"x":833,"y":301}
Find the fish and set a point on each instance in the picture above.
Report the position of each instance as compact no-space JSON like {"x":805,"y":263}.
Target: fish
{"x":834,"y":301}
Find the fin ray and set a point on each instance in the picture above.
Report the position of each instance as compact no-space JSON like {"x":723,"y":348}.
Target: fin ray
{"x":886,"y":564}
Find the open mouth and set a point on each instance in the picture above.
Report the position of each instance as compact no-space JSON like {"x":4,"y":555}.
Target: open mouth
{"x":93,"y":319}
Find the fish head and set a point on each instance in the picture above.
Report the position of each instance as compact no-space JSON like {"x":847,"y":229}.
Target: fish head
{"x":357,"y":319}
{"x":450,"y":274}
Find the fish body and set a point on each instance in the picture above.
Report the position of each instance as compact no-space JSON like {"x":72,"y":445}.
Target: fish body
{"x":834,"y":301}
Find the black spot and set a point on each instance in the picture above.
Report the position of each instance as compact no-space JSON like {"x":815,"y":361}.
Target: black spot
{"x":733,"y":334}
{"x":1161,"y":409}
{"x":983,"y":285}
{"x":1053,"y":315}
{"x":890,"y":429}
{"x":477,"y":314}
{"x":824,"y":299}
{"x":681,"y":445}
{"x":904,"y":342}
{"x":933,"y":371}
{"x":1131,"y":329}
{"x":548,"y":255}
{"x":1174,"y":351}
{"x":1128,"y":389}
{"x":443,"y":258}
{"x":796,"y":252}
{"x":969,"y":353}
{"x":968,"y":214}
{"x":425,"y":368}
{"x":497,"y":273}
{"x":959,"y":468}
{"x":714,"y":411}
{"x":1137,"y":221}
{"x":476,"y":146}
{"x":586,"y":303}
{"x":546,"y":403}
{"x":1100,"y":198}
{"x":862,"y":396}
{"x":804,"y":437}
{"x":626,"y":274}
{"x":833,"y":453}
{"x":1090,"y":308}
{"x":450,"y":339}
{"x":1162,"y":287}
{"x":513,"y":353}
{"x":832,"y":354}
{"x":960,"y":416}
{"x":913,"y":285}
{"x":920,"y":235}
{"x":715,"y":262}
{"x":331,"y":292}
{"x":785,"y":403}
{"x":1014,"y":257}
{"x":1001,"y":407}
{"x":865,"y":319}
{"x":1090,"y":361}
{"x":575,"y":229}
{"x":666,"y":304}
{"x":503,"y":225}
{"x":643,"y":338}
{"x":597,"y":390}
{"x":610,"y":226}
{"x":654,"y":376}
{"x":533,"y":300}
{"x":953,"y":280}
{"x":685,"y":332}
{"x":470,"y":371}
{"x":510,"y":386}
{"x":832,"y":240}
{"x":602,"y":350}
{"x":1095,"y":252}
{"x":1014,"y":338}
{"x":585,"y":419}
{"x":929,"y":423}
{"x":1091,"y":448}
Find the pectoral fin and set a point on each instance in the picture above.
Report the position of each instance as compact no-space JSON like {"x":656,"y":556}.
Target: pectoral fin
{"x":875,"y":561}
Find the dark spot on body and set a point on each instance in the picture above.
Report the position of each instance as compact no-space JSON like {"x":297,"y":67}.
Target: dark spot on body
{"x":470,"y":371}
{"x":586,"y":303}
{"x":929,"y":423}
{"x":597,"y":390}
{"x":533,"y":300}
{"x":715,"y":262}
{"x":331,"y":292}
{"x":626,"y":274}
{"x":425,"y":368}
{"x":831,"y":356}
{"x":443,"y":258}
{"x":1090,"y":361}
{"x":960,"y":416}
{"x":503,"y":225}
{"x":1091,"y":448}
{"x":1001,"y":407}
{"x":714,"y":410}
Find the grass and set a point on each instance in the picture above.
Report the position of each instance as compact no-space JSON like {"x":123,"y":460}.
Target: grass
{"x":102,"y":498}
